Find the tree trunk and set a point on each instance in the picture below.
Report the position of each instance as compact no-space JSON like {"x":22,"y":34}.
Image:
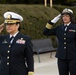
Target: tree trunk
{"x":51,"y":3}
{"x":45,"y":2}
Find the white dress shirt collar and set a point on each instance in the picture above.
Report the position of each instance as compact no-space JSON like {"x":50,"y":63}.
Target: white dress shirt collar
{"x":67,"y":24}
{"x":14,"y":34}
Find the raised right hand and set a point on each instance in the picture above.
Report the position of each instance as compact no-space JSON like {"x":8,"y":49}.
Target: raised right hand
{"x":56,"y":18}
{"x":1,"y":27}
{"x":53,"y":21}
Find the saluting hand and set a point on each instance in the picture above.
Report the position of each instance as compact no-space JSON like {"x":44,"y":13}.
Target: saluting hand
{"x":1,"y":27}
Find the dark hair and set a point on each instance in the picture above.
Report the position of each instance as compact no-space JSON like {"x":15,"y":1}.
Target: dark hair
{"x":71,"y":17}
{"x":19,"y":26}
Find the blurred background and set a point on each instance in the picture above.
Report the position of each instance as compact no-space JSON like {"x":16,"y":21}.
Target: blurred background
{"x":64,"y":2}
{"x":36,"y":15}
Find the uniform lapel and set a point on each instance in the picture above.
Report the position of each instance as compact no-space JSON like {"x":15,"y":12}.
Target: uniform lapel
{"x":7,"y":38}
{"x":69,"y":27}
{"x":16,"y":38}
{"x":62,"y":27}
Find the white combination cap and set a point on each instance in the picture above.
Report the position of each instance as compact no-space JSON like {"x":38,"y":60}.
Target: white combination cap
{"x":11,"y":17}
{"x":66,"y":10}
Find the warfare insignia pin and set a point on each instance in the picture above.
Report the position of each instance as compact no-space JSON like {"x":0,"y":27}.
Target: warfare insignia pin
{"x":4,"y":41}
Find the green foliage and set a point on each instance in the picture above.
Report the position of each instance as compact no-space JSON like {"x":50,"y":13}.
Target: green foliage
{"x":3,"y":1}
{"x":71,"y":0}
{"x":22,"y":1}
{"x":35,"y":18}
{"x":60,"y":8}
{"x":35,"y":1}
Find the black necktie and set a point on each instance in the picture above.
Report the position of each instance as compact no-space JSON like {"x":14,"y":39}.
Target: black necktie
{"x":65,"y":27}
{"x":11,"y":39}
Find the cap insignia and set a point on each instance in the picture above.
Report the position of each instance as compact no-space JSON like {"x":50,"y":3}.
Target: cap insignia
{"x":9,"y":16}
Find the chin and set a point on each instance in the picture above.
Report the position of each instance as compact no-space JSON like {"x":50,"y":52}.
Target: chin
{"x":9,"y":31}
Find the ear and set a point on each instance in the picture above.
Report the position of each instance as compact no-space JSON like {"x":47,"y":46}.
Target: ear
{"x":18,"y":25}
